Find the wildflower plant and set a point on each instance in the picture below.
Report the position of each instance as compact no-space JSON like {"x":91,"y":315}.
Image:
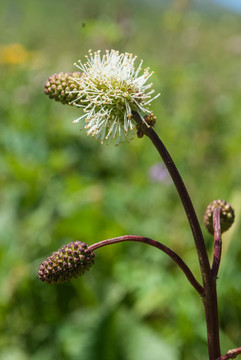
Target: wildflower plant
{"x":115,"y":98}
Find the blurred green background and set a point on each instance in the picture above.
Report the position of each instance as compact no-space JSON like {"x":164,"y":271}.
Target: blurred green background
{"x":58,"y":185}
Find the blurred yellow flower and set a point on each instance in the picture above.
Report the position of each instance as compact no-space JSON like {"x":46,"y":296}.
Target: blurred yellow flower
{"x":13,"y":54}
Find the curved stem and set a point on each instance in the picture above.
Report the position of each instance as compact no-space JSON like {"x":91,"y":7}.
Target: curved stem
{"x":159,"y":246}
{"x":184,"y":196}
{"x":217,"y":242}
{"x":231,"y":354}
{"x":210,"y":297}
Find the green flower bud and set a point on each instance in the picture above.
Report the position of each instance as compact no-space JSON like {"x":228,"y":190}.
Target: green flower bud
{"x":69,"y":262}
{"x":226,"y":215}
{"x":63,"y":87}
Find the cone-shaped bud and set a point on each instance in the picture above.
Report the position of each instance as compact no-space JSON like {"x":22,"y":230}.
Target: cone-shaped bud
{"x":69,"y":262}
{"x":226,"y":215}
{"x":60,"y":87}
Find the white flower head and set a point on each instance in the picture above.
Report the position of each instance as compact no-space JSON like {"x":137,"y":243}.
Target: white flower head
{"x":110,"y":89}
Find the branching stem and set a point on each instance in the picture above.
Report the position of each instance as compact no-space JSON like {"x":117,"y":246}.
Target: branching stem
{"x":159,"y":246}
{"x":210,"y":296}
{"x":231,"y":354}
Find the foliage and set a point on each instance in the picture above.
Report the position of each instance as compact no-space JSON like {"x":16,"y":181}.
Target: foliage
{"x":58,"y":185}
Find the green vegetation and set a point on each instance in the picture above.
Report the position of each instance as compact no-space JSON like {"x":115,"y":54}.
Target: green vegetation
{"x":57,"y":185}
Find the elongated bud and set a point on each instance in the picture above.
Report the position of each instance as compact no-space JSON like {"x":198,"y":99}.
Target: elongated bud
{"x":226,"y":215}
{"x":63,"y":87}
{"x":69,"y":262}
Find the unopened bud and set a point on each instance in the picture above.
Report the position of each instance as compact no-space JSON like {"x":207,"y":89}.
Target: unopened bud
{"x":226,"y":215}
{"x":150,"y":119}
{"x":63,"y":87}
{"x":69,"y":262}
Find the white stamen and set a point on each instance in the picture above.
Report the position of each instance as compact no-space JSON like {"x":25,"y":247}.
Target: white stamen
{"x":111,"y":90}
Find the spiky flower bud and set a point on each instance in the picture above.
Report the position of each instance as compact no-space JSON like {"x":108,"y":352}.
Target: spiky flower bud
{"x":71,"y":261}
{"x":60,"y":87}
{"x":226,"y":215}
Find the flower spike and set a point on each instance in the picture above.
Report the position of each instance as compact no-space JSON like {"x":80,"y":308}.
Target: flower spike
{"x":110,"y":90}
{"x":69,"y":262}
{"x":60,"y":87}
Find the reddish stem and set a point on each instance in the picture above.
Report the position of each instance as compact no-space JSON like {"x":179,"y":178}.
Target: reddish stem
{"x":184,"y":196}
{"x":210,"y":297}
{"x":217,"y":242}
{"x":159,"y":246}
{"x":231,"y":354}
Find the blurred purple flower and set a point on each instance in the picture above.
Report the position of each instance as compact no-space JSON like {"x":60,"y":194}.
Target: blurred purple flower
{"x":159,"y":173}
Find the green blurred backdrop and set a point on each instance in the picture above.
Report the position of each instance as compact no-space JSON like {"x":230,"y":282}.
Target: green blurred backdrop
{"x":58,"y":185}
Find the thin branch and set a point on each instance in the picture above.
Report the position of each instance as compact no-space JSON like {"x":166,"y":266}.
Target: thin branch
{"x":159,"y":246}
{"x":185,"y":198}
{"x":217,"y":242}
{"x":231,"y":354}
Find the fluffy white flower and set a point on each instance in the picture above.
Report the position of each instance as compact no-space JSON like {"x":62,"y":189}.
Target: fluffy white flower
{"x":110,"y":89}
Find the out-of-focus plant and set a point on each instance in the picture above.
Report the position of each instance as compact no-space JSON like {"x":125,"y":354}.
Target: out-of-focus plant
{"x":116,"y":97}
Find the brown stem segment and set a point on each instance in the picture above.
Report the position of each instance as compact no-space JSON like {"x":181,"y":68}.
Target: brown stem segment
{"x":231,"y":354}
{"x":211,"y":313}
{"x":210,"y":297}
{"x":217,"y":242}
{"x":184,"y":196}
{"x":159,"y":246}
